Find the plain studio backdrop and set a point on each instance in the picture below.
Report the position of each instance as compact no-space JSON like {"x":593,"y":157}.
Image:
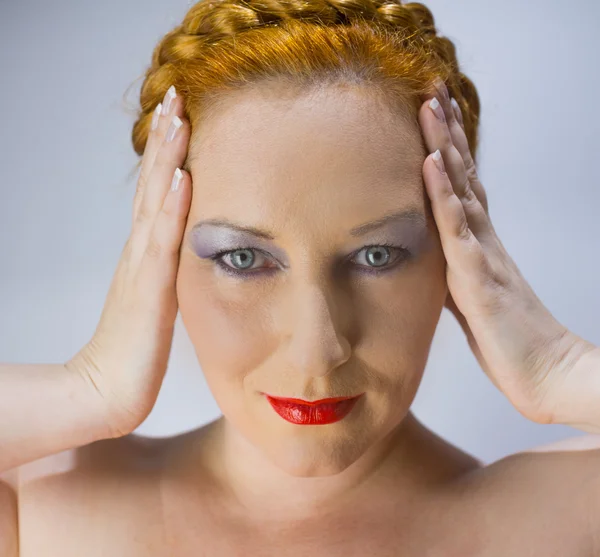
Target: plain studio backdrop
{"x":66,"y":188}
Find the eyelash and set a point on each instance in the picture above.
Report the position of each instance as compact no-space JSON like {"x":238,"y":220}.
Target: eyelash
{"x":218,"y":259}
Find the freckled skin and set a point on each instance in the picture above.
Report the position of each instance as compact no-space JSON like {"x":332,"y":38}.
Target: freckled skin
{"x":309,"y":169}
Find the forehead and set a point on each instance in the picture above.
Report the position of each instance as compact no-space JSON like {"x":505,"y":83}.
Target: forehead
{"x":339,"y":152}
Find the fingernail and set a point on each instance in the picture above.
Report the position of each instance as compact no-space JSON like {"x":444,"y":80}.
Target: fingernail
{"x":439,"y":161}
{"x":168,"y":100}
{"x":441,"y":86}
{"x":457,"y":109}
{"x":437,"y":109}
{"x":176,"y":180}
{"x":156,"y":116}
{"x":176,"y":123}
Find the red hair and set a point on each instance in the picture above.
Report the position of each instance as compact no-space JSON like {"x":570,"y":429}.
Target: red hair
{"x":224,"y":45}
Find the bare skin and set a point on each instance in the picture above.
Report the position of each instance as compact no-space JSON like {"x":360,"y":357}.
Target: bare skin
{"x":375,"y":483}
{"x":141,"y":496}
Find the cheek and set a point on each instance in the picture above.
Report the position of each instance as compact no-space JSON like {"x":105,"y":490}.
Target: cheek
{"x":404,"y":312}
{"x":399,"y":319}
{"x":232,"y":330}
{"x":222,"y":328}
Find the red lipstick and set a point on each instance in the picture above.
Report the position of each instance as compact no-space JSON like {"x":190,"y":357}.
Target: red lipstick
{"x":318,"y":412}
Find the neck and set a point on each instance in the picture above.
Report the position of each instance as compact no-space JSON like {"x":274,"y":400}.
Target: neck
{"x":260,"y":488}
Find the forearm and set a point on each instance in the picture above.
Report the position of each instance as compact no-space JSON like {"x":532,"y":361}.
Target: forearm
{"x":45,"y":409}
{"x":578,"y":403}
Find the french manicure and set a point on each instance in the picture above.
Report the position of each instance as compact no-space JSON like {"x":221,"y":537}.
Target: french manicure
{"x":457,"y":109}
{"x":176,"y":123}
{"x":437,"y":109}
{"x":168,"y":100}
{"x":439,"y":161}
{"x":156,"y":116}
{"x":176,"y":180}
{"x":441,"y":86}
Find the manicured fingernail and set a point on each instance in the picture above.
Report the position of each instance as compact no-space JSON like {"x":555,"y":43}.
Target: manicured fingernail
{"x":457,"y":109}
{"x":439,"y":161}
{"x":156,"y":116}
{"x":437,"y":109}
{"x":176,"y":180}
{"x":441,"y":87}
{"x":176,"y":123}
{"x":168,"y":100}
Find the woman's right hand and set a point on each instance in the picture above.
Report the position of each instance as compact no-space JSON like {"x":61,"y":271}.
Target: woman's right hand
{"x":126,"y":359}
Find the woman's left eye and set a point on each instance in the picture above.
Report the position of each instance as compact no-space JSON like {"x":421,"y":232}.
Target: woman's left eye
{"x":377,"y":258}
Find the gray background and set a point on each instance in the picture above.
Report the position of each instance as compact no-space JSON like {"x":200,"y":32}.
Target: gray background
{"x":66,"y":188}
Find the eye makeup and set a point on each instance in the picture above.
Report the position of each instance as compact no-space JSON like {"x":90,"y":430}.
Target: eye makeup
{"x":399,"y":255}
{"x":404,"y":237}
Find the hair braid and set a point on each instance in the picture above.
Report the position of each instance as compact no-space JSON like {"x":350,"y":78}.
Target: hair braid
{"x":225,"y":44}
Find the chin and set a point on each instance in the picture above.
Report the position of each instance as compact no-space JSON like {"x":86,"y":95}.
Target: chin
{"x":313,"y":451}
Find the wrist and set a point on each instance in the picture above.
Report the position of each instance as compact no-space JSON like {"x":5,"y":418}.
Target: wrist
{"x":97,"y":423}
{"x":575,"y":397}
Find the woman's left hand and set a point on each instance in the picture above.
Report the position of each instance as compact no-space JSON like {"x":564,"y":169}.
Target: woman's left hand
{"x":520,"y":346}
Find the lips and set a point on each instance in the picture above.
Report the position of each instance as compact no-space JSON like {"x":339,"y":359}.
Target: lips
{"x":318,"y":412}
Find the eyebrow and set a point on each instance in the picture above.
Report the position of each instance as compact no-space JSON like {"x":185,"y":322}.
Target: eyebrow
{"x":414,"y":216}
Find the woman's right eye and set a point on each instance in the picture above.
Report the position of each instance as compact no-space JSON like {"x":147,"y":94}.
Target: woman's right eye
{"x":242,"y":259}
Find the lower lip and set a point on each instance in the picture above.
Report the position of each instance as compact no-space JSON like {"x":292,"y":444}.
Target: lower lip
{"x":313,"y":414}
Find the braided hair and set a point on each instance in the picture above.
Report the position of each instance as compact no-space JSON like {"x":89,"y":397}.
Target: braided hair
{"x":224,"y":45}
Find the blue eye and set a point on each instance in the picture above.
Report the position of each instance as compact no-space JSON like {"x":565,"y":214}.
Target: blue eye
{"x":244,"y":255}
{"x":377,"y":252}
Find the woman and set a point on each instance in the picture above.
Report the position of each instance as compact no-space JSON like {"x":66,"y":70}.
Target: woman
{"x":335,"y":210}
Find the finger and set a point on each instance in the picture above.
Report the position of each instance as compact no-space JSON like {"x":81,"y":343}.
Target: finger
{"x":459,"y":137}
{"x":154,"y":140}
{"x":155,"y":280}
{"x":161,"y":118}
{"x":171,"y":155}
{"x":457,"y":112}
{"x":434,"y":122}
{"x":463,"y":251}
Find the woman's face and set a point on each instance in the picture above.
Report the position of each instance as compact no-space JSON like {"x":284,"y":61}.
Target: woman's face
{"x":314,"y":312}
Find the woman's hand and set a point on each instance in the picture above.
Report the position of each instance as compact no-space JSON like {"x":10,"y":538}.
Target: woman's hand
{"x":520,"y":346}
{"x":126,"y":359}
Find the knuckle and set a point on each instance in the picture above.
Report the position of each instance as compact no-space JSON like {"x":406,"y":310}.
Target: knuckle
{"x":490,"y":276}
{"x":164,"y":155}
{"x":143,"y":214}
{"x":135,"y":242}
{"x":470,"y":201}
{"x":169,"y":210}
{"x":466,"y":190}
{"x":141,"y":183}
{"x":159,"y":160}
{"x":128,"y":249}
{"x":464,"y":233}
{"x":470,"y":168}
{"x":462,"y":225}
{"x":154,"y":249}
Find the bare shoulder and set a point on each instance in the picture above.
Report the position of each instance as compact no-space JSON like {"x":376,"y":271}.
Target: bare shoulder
{"x":8,"y":520}
{"x":549,"y":495}
{"x":71,"y":500}
{"x":94,"y":473}
{"x":582,"y":462}
{"x":576,"y":443}
{"x":130,"y":464}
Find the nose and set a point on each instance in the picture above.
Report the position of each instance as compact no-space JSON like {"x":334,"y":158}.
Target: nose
{"x":318,"y":342}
